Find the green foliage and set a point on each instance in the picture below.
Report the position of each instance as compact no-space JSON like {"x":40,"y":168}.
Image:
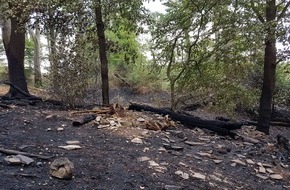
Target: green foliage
{"x":208,"y":50}
{"x":3,"y":73}
{"x":282,"y":90}
{"x":73,"y":69}
{"x":29,"y":51}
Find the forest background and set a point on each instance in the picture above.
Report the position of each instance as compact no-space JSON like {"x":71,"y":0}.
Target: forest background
{"x":219,"y":55}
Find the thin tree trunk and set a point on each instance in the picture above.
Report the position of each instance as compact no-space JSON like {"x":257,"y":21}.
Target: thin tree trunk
{"x":37,"y":67}
{"x":14,"y":43}
{"x":102,"y":53}
{"x":51,"y":40}
{"x":270,"y":60}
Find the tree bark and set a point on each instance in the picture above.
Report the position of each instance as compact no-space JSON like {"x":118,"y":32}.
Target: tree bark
{"x":14,"y":43}
{"x":37,"y":67}
{"x":270,"y":60}
{"x":102,"y":53}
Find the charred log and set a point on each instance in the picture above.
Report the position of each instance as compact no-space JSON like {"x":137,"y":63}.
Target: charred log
{"x":220,"y":127}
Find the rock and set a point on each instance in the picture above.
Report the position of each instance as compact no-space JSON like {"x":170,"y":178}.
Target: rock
{"x":18,"y":159}
{"x":25,"y":160}
{"x":213,"y":177}
{"x":160,"y":169}
{"x":146,"y":149}
{"x":204,"y":154}
{"x":218,"y":161}
{"x":141,"y":120}
{"x":183,"y":164}
{"x":161,"y":149}
{"x":98,"y":118}
{"x":276,"y":176}
{"x":262,"y":170}
{"x":249,"y":161}
{"x":233,"y":164}
{"x":73,"y":142}
{"x":62,"y":168}
{"x":198,"y":175}
{"x":70,"y":147}
{"x":262,"y":176}
{"x":142,"y":159}
{"x":51,"y":117}
{"x":113,"y":123}
{"x":103,"y":126}
{"x":204,"y":139}
{"x":182,"y":174}
{"x":153,"y":164}
{"x":13,"y":160}
{"x":172,"y":187}
{"x":270,"y":171}
{"x":237,"y":161}
{"x":137,"y":140}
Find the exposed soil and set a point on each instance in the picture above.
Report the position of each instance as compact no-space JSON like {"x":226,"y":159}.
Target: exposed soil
{"x":110,"y":160}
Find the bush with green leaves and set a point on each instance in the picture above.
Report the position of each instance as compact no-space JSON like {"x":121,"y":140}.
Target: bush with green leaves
{"x":282,"y":91}
{"x":74,"y":66}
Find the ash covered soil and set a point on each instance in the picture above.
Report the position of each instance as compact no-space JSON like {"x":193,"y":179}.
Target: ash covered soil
{"x":119,"y":152}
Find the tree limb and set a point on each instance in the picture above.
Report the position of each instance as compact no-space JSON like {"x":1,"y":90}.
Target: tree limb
{"x":282,"y":14}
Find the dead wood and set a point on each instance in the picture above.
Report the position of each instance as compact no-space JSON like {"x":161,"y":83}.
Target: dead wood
{"x":15,"y":152}
{"x":85,"y":119}
{"x":122,"y":80}
{"x":20,"y":174}
{"x":94,"y":111}
{"x":25,"y":94}
{"x":220,"y":127}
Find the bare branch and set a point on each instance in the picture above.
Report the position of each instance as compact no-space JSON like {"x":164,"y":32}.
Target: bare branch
{"x":282,"y":14}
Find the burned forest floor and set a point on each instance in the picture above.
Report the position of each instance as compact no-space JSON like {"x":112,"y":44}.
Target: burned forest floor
{"x":123,"y":150}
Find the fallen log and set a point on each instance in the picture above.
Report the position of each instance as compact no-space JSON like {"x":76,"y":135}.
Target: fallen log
{"x":15,"y":152}
{"x":85,"y":119}
{"x":220,"y":127}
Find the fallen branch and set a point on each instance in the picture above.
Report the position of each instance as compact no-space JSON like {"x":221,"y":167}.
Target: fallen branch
{"x":25,"y":94}
{"x":123,"y":80}
{"x":15,"y":152}
{"x":108,"y":110}
{"x":83,"y":120}
{"x":220,"y":127}
{"x":20,"y":174}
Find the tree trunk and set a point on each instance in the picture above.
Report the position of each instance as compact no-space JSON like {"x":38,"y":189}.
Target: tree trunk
{"x":37,"y":67}
{"x":270,"y":60}
{"x":14,"y":43}
{"x":103,"y":54}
